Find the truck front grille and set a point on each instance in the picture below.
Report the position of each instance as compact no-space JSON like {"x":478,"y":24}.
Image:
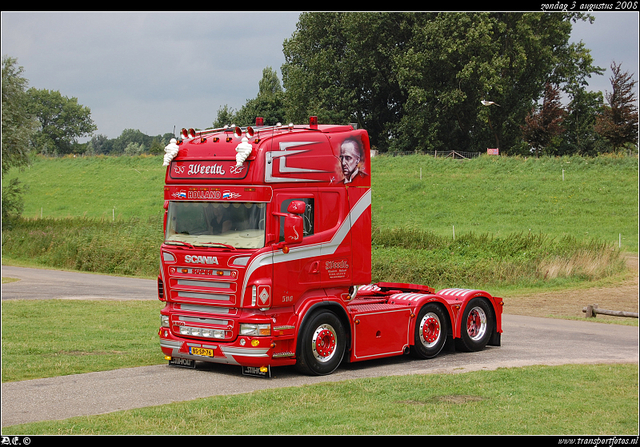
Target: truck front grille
{"x":203,"y":302}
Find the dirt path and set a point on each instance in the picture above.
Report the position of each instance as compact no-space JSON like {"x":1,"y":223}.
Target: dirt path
{"x":623,"y":297}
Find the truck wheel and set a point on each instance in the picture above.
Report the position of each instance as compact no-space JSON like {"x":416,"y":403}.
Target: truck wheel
{"x":476,"y":326}
{"x":430,"y":333}
{"x":321,"y":345}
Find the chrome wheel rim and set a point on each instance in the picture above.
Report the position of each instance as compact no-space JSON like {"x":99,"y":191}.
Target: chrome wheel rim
{"x":324,"y":343}
{"x":430,"y":330}
{"x":476,"y":323}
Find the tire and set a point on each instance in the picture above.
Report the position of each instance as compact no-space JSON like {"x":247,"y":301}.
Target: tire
{"x":430,"y":333}
{"x":321,"y":345}
{"x":476,"y":326}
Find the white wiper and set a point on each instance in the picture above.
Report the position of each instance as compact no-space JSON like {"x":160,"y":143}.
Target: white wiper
{"x":215,"y":244}
{"x":178,"y":243}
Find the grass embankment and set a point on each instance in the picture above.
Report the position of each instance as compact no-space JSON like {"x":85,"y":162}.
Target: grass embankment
{"x":517,"y":223}
{"x":122,"y":247}
{"x":93,"y":187}
{"x":597,"y":199}
{"x":414,"y":256}
{"x":500,"y":196}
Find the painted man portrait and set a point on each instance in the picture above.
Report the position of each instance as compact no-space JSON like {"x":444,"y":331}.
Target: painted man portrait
{"x":351,"y":160}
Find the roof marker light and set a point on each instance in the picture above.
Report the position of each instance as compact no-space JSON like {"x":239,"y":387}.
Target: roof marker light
{"x":313,"y":122}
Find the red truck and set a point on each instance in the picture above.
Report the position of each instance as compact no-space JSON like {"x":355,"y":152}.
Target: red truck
{"x":266,"y":259}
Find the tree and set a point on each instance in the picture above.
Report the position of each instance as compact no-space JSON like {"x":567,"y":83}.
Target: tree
{"x":454,"y":61}
{"x":580,"y":136}
{"x":459,"y":59}
{"x":100,"y":145}
{"x":268,"y":104}
{"x":225,"y":117}
{"x":134,"y":139}
{"x":62,"y":121}
{"x":269,"y":85}
{"x":340,"y":67}
{"x":313,"y":56}
{"x":543,"y":126}
{"x":157,"y":147}
{"x":17,"y":123}
{"x":17,"y":127}
{"x":134,"y":149}
{"x":130,"y":142}
{"x":415,"y":80}
{"x":618,"y":122}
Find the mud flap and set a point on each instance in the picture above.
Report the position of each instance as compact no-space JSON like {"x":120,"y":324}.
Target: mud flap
{"x":496,"y":339}
{"x":449,"y":345}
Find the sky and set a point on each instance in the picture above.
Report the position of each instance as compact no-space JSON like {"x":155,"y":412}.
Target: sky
{"x":160,"y":71}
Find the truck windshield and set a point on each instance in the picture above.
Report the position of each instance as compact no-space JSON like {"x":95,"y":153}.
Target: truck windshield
{"x":235,"y":224}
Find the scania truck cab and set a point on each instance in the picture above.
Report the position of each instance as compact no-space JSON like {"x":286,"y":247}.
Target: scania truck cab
{"x":266,"y":259}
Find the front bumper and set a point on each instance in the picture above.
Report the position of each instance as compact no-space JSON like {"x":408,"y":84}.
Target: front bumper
{"x":244,"y":351}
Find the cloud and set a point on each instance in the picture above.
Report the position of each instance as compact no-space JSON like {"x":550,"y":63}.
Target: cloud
{"x":156,"y":70}
{"x":148,"y":71}
{"x":613,"y":36}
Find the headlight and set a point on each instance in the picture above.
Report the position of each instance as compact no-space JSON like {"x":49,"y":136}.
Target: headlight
{"x":203,"y":332}
{"x":255,"y":330}
{"x":164,"y":320}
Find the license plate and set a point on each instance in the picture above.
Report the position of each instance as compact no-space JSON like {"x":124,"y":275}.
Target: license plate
{"x":205,"y":352}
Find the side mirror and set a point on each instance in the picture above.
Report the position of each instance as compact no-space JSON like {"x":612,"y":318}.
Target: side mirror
{"x":293,"y":228}
{"x":296,"y":207}
{"x":293,"y":224}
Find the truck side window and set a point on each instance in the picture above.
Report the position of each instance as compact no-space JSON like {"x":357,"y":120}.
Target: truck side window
{"x":307,"y":216}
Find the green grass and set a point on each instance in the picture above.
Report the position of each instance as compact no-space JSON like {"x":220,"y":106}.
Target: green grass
{"x":536,"y":400}
{"x":517,"y":223}
{"x":598,"y":198}
{"x":48,"y":338}
{"x":130,"y":247}
{"x":121,"y":247}
{"x":515,"y":261}
{"x":93,"y":187}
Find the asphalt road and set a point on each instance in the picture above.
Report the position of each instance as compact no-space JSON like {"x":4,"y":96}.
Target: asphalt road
{"x":40,"y":284}
{"x":525,"y":341}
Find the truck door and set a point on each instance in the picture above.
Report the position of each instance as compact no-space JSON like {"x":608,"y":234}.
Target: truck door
{"x":334,"y":223}
{"x":296,"y":270}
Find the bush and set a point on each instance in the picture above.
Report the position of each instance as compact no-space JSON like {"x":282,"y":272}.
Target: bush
{"x":129,"y":248}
